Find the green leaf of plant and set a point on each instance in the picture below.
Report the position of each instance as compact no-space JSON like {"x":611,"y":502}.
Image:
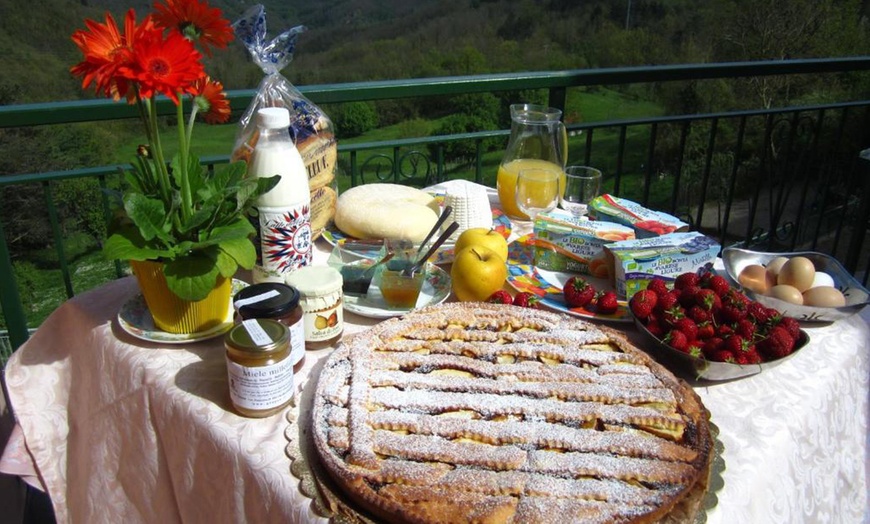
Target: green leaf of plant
{"x":148,"y":214}
{"x":226,"y":264}
{"x":193,"y":277}
{"x":127,"y":244}
{"x":201,"y":217}
{"x":251,"y":188}
{"x":236,"y":170}
{"x":241,"y":250}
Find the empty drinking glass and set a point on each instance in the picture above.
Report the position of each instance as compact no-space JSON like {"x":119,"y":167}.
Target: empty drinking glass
{"x":582,"y":184}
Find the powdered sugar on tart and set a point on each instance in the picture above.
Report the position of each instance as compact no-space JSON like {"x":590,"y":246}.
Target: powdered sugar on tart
{"x":488,"y":413}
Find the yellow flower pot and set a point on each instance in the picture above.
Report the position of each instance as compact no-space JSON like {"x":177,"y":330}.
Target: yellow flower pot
{"x":175,"y":315}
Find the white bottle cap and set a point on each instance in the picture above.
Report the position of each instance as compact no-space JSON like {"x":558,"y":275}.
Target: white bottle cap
{"x":273,"y":117}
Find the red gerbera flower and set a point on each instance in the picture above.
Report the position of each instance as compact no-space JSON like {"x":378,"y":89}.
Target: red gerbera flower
{"x":105,"y":51}
{"x":167,"y":65}
{"x":211,"y":100}
{"x":197,"y":21}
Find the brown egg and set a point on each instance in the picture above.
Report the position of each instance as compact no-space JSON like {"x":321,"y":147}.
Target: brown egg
{"x":824,"y":297}
{"x":775,"y":265}
{"x":798,"y":272}
{"x":755,"y":278}
{"x":788,"y":293}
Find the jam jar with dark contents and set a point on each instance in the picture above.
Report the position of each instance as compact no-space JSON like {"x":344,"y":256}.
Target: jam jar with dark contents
{"x":280,"y":302}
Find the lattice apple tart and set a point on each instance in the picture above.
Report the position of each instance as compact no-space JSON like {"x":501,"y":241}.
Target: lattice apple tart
{"x":473,"y":412}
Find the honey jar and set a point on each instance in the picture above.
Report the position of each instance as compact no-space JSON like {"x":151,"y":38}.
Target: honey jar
{"x":321,"y":301}
{"x":279,"y":302}
{"x":259,"y":367}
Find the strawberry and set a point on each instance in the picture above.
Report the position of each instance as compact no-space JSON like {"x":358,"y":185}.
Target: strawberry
{"x":747,"y":357}
{"x":718,"y":284}
{"x":709,"y":300}
{"x":736,"y":344}
{"x":732,"y":311}
{"x":658,"y":286}
{"x":606,"y":303}
{"x":746,"y":328}
{"x":777,"y":344}
{"x":668,"y":301}
{"x":578,"y":292}
{"x":687,"y":296}
{"x":500,"y":297}
{"x":677,"y":340}
{"x":706,"y":330}
{"x":686,"y":280}
{"x":671,"y":316}
{"x":724,"y":330}
{"x":712,"y":345}
{"x":694,"y":349}
{"x":722,"y":355}
{"x":526,"y":299}
{"x":688,"y":327}
{"x":760,"y":313}
{"x":736,"y":296}
{"x":698,"y":314}
{"x":792,"y":326}
{"x":655,"y":328}
{"x":642,"y":303}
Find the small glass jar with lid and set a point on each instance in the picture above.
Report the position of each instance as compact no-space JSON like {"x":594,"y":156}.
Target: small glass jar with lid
{"x":321,"y":301}
{"x":280,"y":302}
{"x":259,"y":367}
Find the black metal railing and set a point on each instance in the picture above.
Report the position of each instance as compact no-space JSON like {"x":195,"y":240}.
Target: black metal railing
{"x":779,"y":179}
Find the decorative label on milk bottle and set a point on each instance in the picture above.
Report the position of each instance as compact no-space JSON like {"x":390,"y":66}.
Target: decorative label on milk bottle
{"x":284,"y":242}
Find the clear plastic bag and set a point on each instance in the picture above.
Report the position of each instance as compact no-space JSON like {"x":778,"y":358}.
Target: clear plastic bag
{"x":310,"y":127}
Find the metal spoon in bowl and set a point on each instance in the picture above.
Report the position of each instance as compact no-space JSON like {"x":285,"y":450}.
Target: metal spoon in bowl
{"x":409,"y":271}
{"x":445,"y":213}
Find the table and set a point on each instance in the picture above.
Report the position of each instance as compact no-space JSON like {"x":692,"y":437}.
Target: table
{"x":116,"y":429}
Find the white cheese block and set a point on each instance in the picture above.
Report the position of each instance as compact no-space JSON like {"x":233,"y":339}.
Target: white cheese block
{"x":386,"y":211}
{"x":470,"y":204}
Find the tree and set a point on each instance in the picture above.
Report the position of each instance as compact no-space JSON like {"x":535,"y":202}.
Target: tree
{"x":776,"y":30}
{"x":354,"y":119}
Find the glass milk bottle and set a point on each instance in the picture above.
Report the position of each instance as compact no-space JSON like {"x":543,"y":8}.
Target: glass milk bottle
{"x":283,"y":220}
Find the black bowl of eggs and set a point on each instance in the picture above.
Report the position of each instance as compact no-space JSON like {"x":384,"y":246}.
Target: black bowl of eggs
{"x":805,"y":285}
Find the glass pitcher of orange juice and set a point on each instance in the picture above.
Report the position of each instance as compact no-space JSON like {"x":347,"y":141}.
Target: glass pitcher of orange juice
{"x":538,"y":140}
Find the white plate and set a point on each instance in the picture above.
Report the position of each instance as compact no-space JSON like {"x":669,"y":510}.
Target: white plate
{"x":135,"y":319}
{"x":436,"y":289}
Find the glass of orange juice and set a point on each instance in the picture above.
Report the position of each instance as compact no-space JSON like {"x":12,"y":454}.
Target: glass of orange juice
{"x":506,"y":183}
{"x":537,"y":190}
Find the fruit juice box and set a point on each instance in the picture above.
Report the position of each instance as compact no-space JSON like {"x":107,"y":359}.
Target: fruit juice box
{"x":635,"y":262}
{"x":564,"y":242}
{"x":646,"y":222}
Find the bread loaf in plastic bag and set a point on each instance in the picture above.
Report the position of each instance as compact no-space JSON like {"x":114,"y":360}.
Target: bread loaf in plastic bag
{"x":310,"y":127}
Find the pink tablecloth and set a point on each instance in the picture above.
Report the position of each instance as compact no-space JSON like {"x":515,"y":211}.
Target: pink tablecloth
{"x":120,"y":430}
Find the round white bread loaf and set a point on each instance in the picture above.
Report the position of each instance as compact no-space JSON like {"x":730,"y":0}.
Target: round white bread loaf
{"x":386,"y":211}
